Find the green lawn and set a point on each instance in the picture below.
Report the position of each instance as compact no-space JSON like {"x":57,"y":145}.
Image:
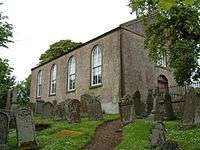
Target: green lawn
{"x":135,"y":136}
{"x":52,"y":138}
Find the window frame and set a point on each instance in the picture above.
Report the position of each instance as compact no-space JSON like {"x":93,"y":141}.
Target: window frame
{"x":162,"y":60}
{"x":39,"y":84}
{"x":53,"y":81}
{"x":69,"y":74}
{"x":96,"y":67}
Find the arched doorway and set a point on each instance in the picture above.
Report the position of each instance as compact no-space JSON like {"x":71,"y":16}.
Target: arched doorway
{"x":162,"y":84}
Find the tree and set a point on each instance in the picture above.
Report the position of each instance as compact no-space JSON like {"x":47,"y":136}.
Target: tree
{"x":175,"y":30}
{"x":57,"y":49}
{"x":6,"y":80}
{"x":5,"y":31}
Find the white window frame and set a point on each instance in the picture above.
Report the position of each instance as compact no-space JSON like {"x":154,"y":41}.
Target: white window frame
{"x":53,"y":78}
{"x":96,"y":68}
{"x":162,"y":59}
{"x":39,"y":84}
{"x":71,"y":83}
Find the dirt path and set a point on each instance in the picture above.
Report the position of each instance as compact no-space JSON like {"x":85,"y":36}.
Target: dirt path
{"x":107,"y":136}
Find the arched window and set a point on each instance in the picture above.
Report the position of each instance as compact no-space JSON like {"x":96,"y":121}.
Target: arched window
{"x":71,"y":74}
{"x":96,"y":72}
{"x":53,"y":80}
{"x":39,"y":84}
{"x":162,"y":84}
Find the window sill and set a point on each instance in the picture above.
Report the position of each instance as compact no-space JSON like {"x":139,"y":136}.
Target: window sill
{"x":95,"y":86}
{"x":71,"y":91}
{"x":52,"y":94}
{"x":165,"y":68}
{"x":38,"y":98}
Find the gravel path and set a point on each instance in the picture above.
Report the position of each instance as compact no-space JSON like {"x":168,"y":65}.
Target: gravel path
{"x":107,"y":136}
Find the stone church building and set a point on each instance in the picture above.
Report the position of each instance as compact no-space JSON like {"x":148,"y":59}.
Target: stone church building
{"x":110,"y":65}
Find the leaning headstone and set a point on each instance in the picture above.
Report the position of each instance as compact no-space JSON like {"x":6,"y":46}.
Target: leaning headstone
{"x":157,"y":135}
{"x":48,"y":109}
{"x":149,"y":102}
{"x":169,"y":112}
{"x":25,"y":129}
{"x":39,"y":107}
{"x":4,"y":128}
{"x":126,"y":109}
{"x":94,"y":109}
{"x":73,"y":111}
{"x":84,"y":102}
{"x":191,"y":106}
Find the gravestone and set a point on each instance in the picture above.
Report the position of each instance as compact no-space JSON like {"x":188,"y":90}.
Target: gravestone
{"x":4,"y":128}
{"x":126,"y":109}
{"x":191,"y":108}
{"x":157,"y":135}
{"x":25,"y":129}
{"x":84,"y":102}
{"x":157,"y":112}
{"x":169,"y":112}
{"x":149,"y":102}
{"x":60,"y":112}
{"x":139,"y":106}
{"x":8,"y":100}
{"x":94,"y":109}
{"x":39,"y":107}
{"x":73,"y":111}
{"x":32,"y":106}
{"x":48,"y":109}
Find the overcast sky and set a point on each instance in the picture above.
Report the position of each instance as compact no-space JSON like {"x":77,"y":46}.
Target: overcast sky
{"x":39,"y":23}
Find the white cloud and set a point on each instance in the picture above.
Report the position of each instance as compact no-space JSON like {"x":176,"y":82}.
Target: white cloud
{"x":39,"y":23}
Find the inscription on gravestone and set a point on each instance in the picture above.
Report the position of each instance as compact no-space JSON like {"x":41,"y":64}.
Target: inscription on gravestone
{"x":126,"y":109}
{"x":3,"y":130}
{"x":25,"y":129}
{"x":94,"y":109}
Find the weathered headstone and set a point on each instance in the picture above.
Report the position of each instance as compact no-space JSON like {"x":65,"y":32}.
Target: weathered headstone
{"x":84,"y":102}
{"x":157,"y":112}
{"x":25,"y":129}
{"x":169,"y":112}
{"x":39,"y":106}
{"x":8,"y":101}
{"x":48,"y":109}
{"x":149,"y":102}
{"x":139,"y":106}
{"x":126,"y":109}
{"x":4,"y":128}
{"x":73,"y":111}
{"x":157,"y":135}
{"x":60,"y":112}
{"x":94,"y":109}
{"x":191,"y":106}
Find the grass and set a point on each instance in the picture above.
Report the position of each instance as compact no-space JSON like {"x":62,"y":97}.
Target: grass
{"x":74,"y":135}
{"x":135,"y":136}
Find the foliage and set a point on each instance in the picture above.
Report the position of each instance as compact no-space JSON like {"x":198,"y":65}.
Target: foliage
{"x":57,"y":49}
{"x":6,"y":80}
{"x":48,"y":139}
{"x":174,"y":29}
{"x":22,"y":93}
{"x":5,"y":30}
